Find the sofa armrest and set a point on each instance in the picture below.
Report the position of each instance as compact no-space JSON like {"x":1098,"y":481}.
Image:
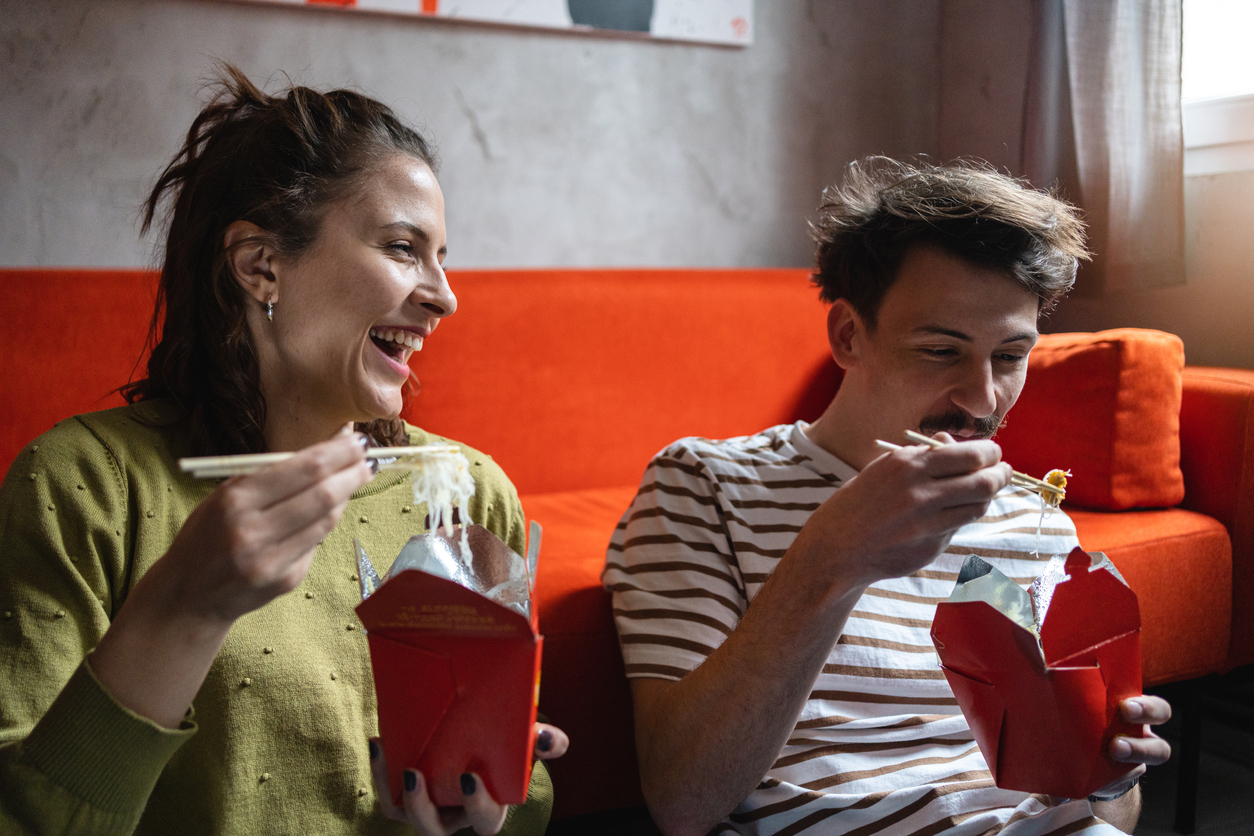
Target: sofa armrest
{"x":1217,"y":458}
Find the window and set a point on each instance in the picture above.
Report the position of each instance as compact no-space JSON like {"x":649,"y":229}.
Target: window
{"x":1218,"y":86}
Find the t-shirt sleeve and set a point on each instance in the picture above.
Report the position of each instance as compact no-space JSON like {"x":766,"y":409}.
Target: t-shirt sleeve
{"x":670,"y":568}
{"x":71,"y":759}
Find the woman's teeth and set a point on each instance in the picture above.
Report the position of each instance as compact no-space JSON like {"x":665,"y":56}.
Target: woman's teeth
{"x":403,"y":338}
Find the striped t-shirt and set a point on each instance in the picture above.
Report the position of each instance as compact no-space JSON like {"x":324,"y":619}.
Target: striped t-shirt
{"x":881,"y":746}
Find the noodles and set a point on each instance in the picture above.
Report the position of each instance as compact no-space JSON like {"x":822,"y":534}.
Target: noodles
{"x":1050,"y":500}
{"x":443,"y":482}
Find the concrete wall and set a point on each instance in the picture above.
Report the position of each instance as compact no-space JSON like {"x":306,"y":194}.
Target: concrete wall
{"x":983,"y":59}
{"x":557,"y":149}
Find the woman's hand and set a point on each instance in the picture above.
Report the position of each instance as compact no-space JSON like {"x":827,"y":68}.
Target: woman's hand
{"x":252,"y":540}
{"x":480,"y":811}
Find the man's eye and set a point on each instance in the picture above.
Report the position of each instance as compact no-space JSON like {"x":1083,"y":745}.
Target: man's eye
{"x":938,"y":352}
{"x":1011,"y":359}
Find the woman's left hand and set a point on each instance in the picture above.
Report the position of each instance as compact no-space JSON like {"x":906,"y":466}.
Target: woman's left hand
{"x":480,"y":811}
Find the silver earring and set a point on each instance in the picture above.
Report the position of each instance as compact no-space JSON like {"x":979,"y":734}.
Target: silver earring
{"x":270,"y":310}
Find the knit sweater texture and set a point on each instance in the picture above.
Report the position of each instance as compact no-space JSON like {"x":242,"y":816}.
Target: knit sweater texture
{"x":276,"y":739}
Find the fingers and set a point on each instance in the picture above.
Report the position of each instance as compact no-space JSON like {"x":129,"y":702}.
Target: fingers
{"x":303,"y":470}
{"x":964,"y":457}
{"x":423,"y":814}
{"x":551,"y":742}
{"x":1152,"y":711}
{"x":1151,"y":750}
{"x":317,"y":502}
{"x":485,"y":815}
{"x":379,"y":770}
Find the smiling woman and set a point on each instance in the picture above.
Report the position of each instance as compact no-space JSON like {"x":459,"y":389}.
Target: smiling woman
{"x":303,"y":266}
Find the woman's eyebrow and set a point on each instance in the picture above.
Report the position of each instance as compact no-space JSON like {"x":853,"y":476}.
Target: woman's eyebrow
{"x":416,"y":231}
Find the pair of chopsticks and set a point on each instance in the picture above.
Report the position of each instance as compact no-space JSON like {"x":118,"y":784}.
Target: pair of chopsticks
{"x":1021,"y":479}
{"x":220,"y":467}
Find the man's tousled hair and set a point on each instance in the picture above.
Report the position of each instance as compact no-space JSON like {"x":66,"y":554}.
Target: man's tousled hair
{"x":885,"y":207}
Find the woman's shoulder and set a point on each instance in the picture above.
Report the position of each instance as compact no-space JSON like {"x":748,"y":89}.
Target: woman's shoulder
{"x":116,"y":437}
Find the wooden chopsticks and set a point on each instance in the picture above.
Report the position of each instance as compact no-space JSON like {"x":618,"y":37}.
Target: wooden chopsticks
{"x":220,"y":467}
{"x":1021,"y":479}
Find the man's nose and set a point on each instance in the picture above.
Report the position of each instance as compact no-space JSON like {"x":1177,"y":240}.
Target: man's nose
{"x":434,"y":294}
{"x":975,"y":393}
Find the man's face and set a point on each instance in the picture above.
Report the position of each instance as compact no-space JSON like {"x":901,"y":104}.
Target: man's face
{"x":949,"y":350}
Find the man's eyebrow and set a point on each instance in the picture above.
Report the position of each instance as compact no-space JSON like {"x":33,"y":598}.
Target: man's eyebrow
{"x":943,"y":332}
{"x":959,"y":335}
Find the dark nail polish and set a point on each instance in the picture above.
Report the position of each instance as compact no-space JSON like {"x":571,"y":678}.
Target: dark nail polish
{"x":544,"y":741}
{"x":411,"y":780}
{"x":374,"y":750}
{"x":468,"y":784}
{"x":363,"y":440}
{"x":374,"y":466}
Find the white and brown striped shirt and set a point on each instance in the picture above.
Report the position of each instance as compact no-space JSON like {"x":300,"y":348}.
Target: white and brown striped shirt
{"x":881,"y":746}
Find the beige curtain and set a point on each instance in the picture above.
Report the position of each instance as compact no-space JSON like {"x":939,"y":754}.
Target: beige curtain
{"x":1102,"y":121}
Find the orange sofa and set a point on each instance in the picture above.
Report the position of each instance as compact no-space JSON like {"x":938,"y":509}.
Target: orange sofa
{"x":572,"y":379}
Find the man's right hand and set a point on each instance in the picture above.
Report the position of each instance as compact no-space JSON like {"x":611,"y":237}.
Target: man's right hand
{"x":900,"y":512}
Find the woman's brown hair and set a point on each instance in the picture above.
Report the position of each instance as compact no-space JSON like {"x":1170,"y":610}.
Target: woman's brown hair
{"x":277,"y":162}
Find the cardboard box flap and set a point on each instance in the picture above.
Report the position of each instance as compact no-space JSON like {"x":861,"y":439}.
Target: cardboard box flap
{"x":1093,"y":607}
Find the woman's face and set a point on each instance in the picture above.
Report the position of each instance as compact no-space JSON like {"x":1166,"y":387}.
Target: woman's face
{"x":351,"y":309}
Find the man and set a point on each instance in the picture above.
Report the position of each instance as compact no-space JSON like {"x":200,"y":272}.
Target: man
{"x":774,"y":593}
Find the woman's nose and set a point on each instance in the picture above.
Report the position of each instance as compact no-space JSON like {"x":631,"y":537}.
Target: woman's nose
{"x":436,"y":295}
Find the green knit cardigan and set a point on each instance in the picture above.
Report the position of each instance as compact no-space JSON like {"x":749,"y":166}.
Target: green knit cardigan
{"x":276,"y":740}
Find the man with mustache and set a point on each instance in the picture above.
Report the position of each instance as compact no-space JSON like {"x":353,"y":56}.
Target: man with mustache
{"x":774,"y":593}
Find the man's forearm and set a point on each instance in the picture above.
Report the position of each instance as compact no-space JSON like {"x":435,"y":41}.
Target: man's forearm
{"x":1122,"y":812}
{"x":712,"y":736}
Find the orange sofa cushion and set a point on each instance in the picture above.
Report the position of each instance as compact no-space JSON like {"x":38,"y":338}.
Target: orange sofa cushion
{"x":1105,"y":406}
{"x":583,"y":688}
{"x":71,"y":337}
{"x":1179,"y":563}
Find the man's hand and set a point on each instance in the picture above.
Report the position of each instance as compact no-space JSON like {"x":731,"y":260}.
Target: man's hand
{"x":1123,"y":807}
{"x":902,"y":510}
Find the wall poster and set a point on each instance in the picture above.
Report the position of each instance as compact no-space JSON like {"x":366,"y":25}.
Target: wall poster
{"x":707,"y":21}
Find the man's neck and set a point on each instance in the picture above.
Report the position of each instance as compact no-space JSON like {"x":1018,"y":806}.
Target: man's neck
{"x":845,"y":432}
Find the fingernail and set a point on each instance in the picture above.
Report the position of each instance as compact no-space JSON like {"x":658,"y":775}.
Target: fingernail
{"x":411,"y":780}
{"x":374,"y":466}
{"x":468,"y":784}
{"x":1121,"y":748}
{"x":363,"y":440}
{"x":544,"y":741}
{"x":1132,"y":709}
{"x":374,"y":750}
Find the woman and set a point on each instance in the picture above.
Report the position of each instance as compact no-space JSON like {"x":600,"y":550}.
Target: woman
{"x":302,"y":268}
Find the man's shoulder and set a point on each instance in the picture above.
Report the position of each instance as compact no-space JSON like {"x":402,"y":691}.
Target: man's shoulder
{"x":766,"y":448}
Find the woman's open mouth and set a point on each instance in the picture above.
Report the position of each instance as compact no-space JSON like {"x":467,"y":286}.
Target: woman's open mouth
{"x":396,"y":344}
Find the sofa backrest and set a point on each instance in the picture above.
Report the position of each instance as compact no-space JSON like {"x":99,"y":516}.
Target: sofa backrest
{"x":570,"y":378}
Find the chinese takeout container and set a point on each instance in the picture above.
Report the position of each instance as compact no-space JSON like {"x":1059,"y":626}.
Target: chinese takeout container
{"x":1043,"y":711}
{"x":455,"y":651}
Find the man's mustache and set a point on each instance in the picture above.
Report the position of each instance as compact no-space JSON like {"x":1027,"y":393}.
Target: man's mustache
{"x":960,"y":422}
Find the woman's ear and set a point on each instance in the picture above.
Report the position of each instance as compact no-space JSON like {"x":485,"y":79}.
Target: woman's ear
{"x":251,"y":259}
{"x":845,"y":331}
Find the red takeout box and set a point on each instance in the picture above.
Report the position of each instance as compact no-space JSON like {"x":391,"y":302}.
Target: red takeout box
{"x":1043,"y":713}
{"x":457,"y":674}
